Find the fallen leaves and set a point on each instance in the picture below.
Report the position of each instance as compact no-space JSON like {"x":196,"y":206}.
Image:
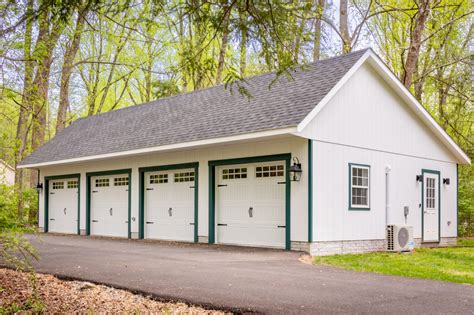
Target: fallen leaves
{"x":20,"y":291}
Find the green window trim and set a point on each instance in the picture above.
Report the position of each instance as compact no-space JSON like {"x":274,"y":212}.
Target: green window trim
{"x":247,"y":160}
{"x":127,"y":171}
{"x":141,"y":193}
{"x":350,"y":206}
{"x":423,"y":171}
{"x":46,"y":199}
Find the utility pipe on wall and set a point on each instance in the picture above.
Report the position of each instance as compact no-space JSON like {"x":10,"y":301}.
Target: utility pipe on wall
{"x":388,"y":168}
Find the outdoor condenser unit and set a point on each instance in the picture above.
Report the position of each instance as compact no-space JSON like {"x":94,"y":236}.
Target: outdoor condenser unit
{"x":400,"y":238}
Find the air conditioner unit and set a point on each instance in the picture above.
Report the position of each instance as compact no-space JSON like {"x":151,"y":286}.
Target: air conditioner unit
{"x":400,"y":238}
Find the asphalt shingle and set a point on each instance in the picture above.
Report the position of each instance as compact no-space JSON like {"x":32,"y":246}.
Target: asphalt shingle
{"x":204,"y":114}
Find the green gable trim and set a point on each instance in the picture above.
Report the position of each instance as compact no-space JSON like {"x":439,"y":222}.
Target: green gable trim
{"x":350,"y":189}
{"x":141,"y":194}
{"x":46,"y":199}
{"x":423,"y":171}
{"x":310,"y":190}
{"x":248,"y":160}
{"x":127,"y":171}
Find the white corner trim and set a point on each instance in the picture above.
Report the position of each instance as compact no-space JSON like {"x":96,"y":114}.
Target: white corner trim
{"x":402,"y":91}
{"x":183,"y":145}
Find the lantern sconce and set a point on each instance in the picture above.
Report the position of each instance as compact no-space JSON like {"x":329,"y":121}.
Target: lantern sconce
{"x":295,"y":170}
{"x":419,"y":178}
{"x":39,"y":187}
{"x":446,"y":181}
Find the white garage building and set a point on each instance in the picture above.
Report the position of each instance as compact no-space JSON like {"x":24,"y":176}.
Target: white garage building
{"x":214,"y":166}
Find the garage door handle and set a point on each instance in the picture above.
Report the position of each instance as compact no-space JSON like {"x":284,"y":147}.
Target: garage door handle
{"x":191,"y":223}
{"x":149,"y":222}
{"x":221,"y":224}
{"x":251,"y":212}
{"x":95,"y":191}
{"x":170,"y":212}
{"x":221,"y":185}
{"x":281,"y":226}
{"x":51,"y":193}
{"x":111,"y":211}
{"x":52,"y":219}
{"x":281,"y":183}
{"x":149,"y":188}
{"x":191,"y":187}
{"x":95,"y":220}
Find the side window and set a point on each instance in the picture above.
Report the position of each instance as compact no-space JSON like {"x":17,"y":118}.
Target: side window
{"x":359,"y":187}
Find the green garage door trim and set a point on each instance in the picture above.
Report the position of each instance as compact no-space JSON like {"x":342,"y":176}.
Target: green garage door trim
{"x":127,"y":171}
{"x":310,"y":190}
{"x":46,"y":199}
{"x":248,"y":160}
{"x":141,"y":202}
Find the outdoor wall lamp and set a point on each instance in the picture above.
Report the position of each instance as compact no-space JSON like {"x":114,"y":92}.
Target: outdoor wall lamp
{"x":446,"y":181}
{"x":39,"y":187}
{"x":419,"y":178}
{"x":295,"y":170}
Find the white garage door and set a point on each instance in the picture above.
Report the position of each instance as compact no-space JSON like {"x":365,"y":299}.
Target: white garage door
{"x":62,"y":205}
{"x":250,"y":204}
{"x":109,"y":205}
{"x":169,"y":205}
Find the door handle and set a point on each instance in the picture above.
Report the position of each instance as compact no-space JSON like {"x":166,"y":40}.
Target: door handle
{"x":95,"y":220}
{"x":221,"y":185}
{"x":149,"y":222}
{"x":191,"y":223}
{"x":149,"y":189}
{"x":221,"y":224}
{"x":52,"y":219}
{"x":251,"y":212}
{"x":281,"y":226}
{"x":111,"y":211}
{"x":170,"y":212}
{"x":64,"y":210}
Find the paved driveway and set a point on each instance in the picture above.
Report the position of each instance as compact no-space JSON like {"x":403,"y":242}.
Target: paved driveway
{"x":266,"y":281}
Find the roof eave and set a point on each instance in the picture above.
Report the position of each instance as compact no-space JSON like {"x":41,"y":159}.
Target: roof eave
{"x":185,"y":145}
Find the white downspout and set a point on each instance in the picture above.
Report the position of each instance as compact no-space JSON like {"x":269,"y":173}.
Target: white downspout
{"x":388,"y":168}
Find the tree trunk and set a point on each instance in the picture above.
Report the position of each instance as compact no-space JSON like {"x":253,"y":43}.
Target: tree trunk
{"x":225,"y":40}
{"x":415,"y":42}
{"x":66,"y":71}
{"x":25,"y":111}
{"x":243,"y":42}
{"x":344,"y":27}
{"x":317,"y":30}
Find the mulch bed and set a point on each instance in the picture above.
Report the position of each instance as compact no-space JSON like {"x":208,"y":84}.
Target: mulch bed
{"x":20,"y":291}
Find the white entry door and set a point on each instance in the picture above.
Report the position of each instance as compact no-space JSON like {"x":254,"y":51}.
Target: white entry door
{"x":431,"y":207}
{"x":250,"y":204}
{"x":169,"y":205}
{"x":109,"y":205}
{"x":62,"y":205}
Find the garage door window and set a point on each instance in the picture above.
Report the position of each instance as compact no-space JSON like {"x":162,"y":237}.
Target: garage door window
{"x":102,"y":182}
{"x":269,"y":171}
{"x":184,"y":177}
{"x":72,"y":184}
{"x":159,"y":179}
{"x":121,"y":181}
{"x":234,"y":173}
{"x":58,"y":185}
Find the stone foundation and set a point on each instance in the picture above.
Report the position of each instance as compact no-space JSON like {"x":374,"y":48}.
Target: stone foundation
{"x":444,"y":241}
{"x":300,"y":246}
{"x":346,"y":247}
{"x":203,"y":239}
{"x":134,"y":235}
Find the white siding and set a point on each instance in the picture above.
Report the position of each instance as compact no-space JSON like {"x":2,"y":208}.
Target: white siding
{"x":294,"y":145}
{"x":367,"y":123}
{"x":366,"y":113}
{"x":334,"y":221}
{"x":7,"y":175}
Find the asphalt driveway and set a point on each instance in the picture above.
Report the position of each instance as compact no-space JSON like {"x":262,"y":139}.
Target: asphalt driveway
{"x":267,"y":281}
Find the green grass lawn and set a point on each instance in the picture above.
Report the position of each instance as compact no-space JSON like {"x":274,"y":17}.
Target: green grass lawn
{"x":454,"y":264}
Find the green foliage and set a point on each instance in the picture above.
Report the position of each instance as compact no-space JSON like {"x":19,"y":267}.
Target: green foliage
{"x":466,"y":201}
{"x":445,"y":264}
{"x":9,"y":220}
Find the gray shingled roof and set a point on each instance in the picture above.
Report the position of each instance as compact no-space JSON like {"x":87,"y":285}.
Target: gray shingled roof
{"x":205,"y":114}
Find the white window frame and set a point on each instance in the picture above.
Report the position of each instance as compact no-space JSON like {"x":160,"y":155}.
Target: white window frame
{"x":351,"y":185}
